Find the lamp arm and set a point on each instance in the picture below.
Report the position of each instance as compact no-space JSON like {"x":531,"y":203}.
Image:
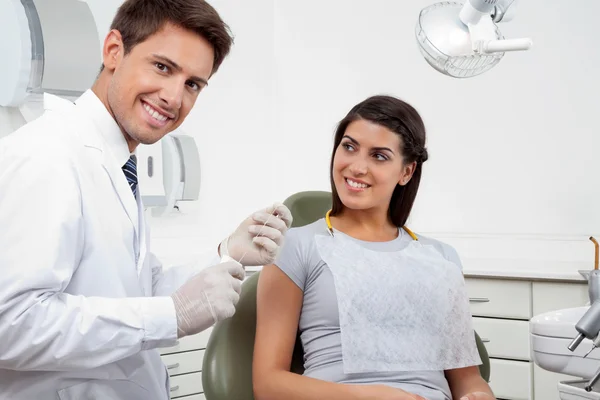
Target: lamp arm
{"x":504,"y":10}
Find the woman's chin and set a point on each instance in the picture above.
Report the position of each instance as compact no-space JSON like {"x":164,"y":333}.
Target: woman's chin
{"x":355,"y":204}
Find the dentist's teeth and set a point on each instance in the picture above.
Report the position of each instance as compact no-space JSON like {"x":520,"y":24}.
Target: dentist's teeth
{"x":154,"y":114}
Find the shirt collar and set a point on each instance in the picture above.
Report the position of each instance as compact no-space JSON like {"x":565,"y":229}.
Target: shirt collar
{"x":91,"y":105}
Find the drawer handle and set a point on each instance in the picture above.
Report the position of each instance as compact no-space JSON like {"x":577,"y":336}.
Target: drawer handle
{"x":174,"y":388}
{"x":479,"y":300}
{"x":485,"y":340}
{"x":173,"y":366}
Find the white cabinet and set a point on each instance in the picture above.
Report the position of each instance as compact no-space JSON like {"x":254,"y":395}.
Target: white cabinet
{"x":550,"y":296}
{"x":194,"y":342}
{"x":500,"y":298}
{"x":511,"y":379}
{"x":186,"y":384}
{"x":184,"y":363}
{"x":507,"y":339}
{"x":501,"y":310}
{"x":193,"y":397}
{"x":544,"y":384}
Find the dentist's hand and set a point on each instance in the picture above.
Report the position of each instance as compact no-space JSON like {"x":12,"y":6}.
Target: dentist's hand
{"x":208,"y":297}
{"x":258,"y":244}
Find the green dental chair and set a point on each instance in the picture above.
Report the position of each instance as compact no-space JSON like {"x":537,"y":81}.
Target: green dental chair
{"x":227,"y":365}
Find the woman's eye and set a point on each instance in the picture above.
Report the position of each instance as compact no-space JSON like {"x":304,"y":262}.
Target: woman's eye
{"x":348,"y":146}
{"x":161,"y":67}
{"x":381,"y":157}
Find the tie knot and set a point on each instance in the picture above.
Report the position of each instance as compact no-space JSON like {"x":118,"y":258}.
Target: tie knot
{"x":130,"y":171}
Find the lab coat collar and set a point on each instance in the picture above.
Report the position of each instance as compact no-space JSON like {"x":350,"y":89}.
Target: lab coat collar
{"x":113,"y":137}
{"x":100,"y":131}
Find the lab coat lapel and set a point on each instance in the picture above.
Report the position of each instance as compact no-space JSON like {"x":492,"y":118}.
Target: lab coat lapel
{"x":123,"y":191}
{"x":92,"y":138}
{"x":142,"y":234}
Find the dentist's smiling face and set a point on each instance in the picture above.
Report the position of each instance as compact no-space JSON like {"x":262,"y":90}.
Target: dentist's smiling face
{"x":154,"y":87}
{"x":367,"y":166}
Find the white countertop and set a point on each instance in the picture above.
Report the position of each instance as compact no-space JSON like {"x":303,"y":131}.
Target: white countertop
{"x":516,"y":269}
{"x":525,"y":269}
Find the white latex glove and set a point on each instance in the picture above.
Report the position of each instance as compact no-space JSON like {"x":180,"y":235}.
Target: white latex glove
{"x":254,"y":243}
{"x":208,"y":297}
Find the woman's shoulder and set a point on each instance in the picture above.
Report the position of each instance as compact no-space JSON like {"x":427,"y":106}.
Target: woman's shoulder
{"x":307,"y":232}
{"x":298,"y":256}
{"x":445,"y":249}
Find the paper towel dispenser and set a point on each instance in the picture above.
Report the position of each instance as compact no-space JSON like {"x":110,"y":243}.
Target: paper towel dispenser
{"x":168,"y":172}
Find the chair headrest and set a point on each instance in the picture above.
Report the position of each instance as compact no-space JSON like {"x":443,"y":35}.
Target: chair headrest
{"x":308,"y":207}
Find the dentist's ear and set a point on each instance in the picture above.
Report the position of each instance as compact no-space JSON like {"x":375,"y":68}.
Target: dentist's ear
{"x":112,"y":51}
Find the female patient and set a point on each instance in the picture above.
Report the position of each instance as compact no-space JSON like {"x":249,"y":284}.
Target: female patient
{"x":382,"y":313}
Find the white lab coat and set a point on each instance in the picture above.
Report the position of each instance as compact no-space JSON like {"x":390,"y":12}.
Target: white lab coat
{"x":83,"y":303}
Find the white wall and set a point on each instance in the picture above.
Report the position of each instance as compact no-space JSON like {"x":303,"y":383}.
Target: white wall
{"x":233,"y":125}
{"x":512,"y":152}
{"x":512,"y":170}
{"x":10,"y":120}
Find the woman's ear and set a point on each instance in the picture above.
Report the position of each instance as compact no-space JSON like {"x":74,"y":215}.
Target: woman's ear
{"x":407,"y":172}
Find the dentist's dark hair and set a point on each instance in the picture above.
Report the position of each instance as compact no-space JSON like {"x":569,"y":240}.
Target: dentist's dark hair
{"x":137,"y":20}
{"x":402,"y":119}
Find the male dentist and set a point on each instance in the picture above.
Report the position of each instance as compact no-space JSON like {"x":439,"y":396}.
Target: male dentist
{"x":84,"y":304}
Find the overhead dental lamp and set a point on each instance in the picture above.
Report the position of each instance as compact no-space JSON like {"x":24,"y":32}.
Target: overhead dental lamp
{"x":462,"y":40}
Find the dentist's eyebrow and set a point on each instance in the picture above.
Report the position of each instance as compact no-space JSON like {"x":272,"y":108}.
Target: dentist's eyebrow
{"x":170,"y":63}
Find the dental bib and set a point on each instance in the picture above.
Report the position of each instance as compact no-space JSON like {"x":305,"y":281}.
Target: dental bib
{"x":404,"y":310}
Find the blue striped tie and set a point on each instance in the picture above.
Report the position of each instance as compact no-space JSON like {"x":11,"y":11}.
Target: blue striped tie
{"x":130,"y":171}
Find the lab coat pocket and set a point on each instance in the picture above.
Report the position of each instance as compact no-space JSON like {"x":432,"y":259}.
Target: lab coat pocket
{"x":104,"y":390}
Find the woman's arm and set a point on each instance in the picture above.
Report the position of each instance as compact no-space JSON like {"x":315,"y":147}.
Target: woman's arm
{"x":279,"y":302}
{"x":467,"y":384}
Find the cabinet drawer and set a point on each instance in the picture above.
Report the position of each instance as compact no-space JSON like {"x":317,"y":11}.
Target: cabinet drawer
{"x":504,"y":338}
{"x":194,"y":342}
{"x":499,"y":298}
{"x":545,"y":383}
{"x":192,"y":397}
{"x":551,"y":296}
{"x":511,"y":380}
{"x":183,"y":385}
{"x":182,"y":363}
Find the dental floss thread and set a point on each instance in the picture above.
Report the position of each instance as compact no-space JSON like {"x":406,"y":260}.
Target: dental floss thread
{"x":257,"y":235}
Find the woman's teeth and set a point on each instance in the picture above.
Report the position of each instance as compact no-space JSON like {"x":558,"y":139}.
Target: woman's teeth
{"x":154,"y":114}
{"x":356,"y":184}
